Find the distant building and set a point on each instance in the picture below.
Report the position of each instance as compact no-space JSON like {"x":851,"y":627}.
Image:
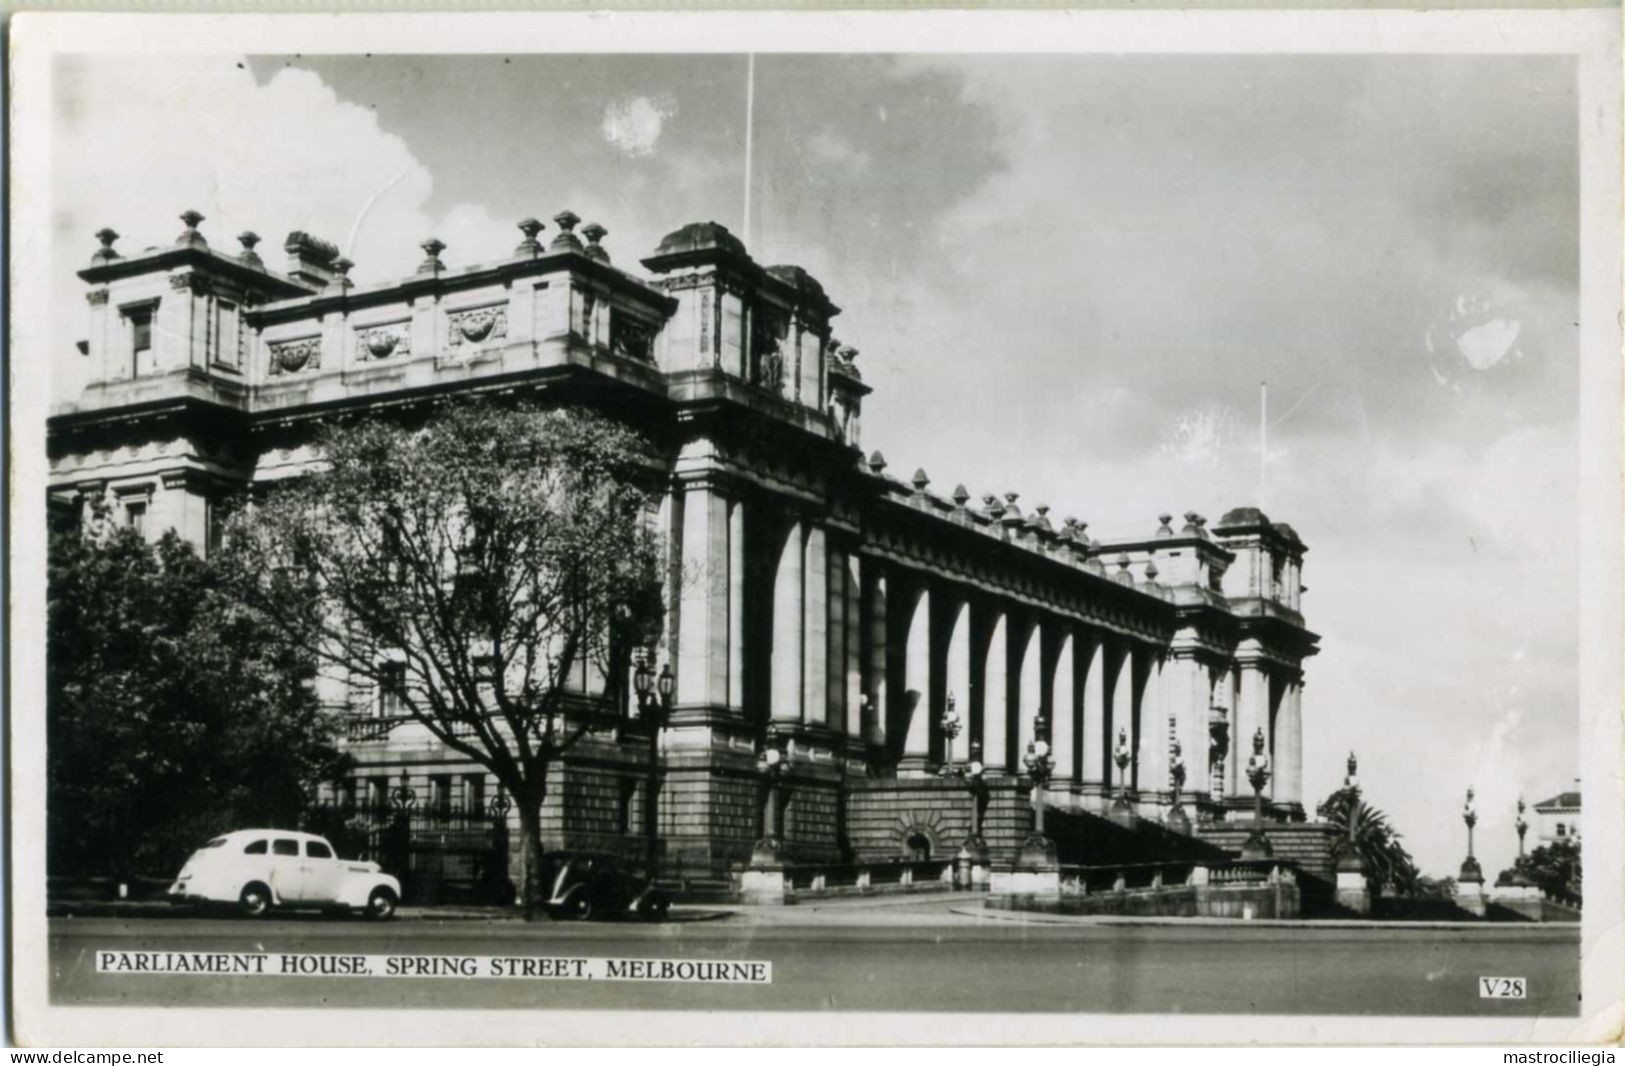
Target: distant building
{"x":1558,"y":818}
{"x":846,"y":606}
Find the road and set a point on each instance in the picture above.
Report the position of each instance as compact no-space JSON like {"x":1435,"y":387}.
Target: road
{"x":915,"y":955}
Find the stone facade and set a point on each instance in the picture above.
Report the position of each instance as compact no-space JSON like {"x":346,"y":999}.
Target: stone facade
{"x":848,"y":607}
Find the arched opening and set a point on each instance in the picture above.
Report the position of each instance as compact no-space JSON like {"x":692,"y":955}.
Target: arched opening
{"x":917,"y":846}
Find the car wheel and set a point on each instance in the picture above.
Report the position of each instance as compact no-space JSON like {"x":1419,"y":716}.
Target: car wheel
{"x":255,"y":902}
{"x":381,"y":905}
{"x":583,"y":908}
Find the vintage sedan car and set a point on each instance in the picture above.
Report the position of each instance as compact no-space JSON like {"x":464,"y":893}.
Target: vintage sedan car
{"x":260,"y":869}
{"x":587,"y":885}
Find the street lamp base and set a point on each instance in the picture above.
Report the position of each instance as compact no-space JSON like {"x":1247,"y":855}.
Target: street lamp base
{"x":1037,"y":853}
{"x":971,"y":863}
{"x":1257,"y":846}
{"x":1471,"y":871}
{"x":765,"y":852}
{"x":1123,"y":811}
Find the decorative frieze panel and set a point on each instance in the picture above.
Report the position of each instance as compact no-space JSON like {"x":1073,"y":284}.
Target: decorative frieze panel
{"x":478,"y":325}
{"x":290,"y":357}
{"x":389,"y":341}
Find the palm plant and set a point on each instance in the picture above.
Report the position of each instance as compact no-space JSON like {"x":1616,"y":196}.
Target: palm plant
{"x":1368,"y":831}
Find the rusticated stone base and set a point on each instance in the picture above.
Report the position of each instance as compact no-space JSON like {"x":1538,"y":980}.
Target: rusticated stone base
{"x":1352,"y":892}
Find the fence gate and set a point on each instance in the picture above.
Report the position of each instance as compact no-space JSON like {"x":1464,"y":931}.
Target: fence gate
{"x":440,"y":855}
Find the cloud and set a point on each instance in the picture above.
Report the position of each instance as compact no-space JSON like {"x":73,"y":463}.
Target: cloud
{"x":274,"y":157}
{"x":633,"y":124}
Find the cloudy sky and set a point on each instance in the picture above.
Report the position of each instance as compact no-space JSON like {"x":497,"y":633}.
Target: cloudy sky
{"x":1067,"y":277}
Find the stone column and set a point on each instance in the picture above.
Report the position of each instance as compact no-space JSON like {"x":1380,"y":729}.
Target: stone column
{"x":1064,"y":709}
{"x":736,"y":605}
{"x":1252,"y":714}
{"x":957,"y":679}
{"x":702,"y":638}
{"x":875,"y":678}
{"x":1030,"y":684}
{"x":835,"y":640}
{"x":1188,"y":701}
{"x":1151,"y":725}
{"x":1289,"y":745}
{"x":1094,"y":749}
{"x":852,"y":633}
{"x":996,"y":696}
{"x":815,"y":629}
{"x":917,"y":701}
{"x":1119,"y":710}
{"x":789,"y":615}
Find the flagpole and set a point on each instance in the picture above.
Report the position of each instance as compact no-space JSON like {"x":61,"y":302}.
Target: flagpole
{"x":1263,"y":437}
{"x":750,"y":122}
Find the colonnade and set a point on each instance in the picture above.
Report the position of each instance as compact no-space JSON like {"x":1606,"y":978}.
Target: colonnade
{"x":870,"y":651}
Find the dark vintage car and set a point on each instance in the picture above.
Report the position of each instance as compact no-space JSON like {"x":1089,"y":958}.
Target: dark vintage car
{"x":586,"y":885}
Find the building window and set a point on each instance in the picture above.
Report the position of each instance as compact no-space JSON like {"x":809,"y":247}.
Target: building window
{"x":135,"y":515}
{"x":1562,"y":830}
{"x":485,"y":675}
{"x":140,"y":330}
{"x":391,"y":690}
{"x":440,"y":793}
{"x":214,"y":526}
{"x":623,"y":810}
{"x":473,"y":793}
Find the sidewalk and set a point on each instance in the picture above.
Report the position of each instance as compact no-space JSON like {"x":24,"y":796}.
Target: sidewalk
{"x":163,"y":911}
{"x":1043,"y":918}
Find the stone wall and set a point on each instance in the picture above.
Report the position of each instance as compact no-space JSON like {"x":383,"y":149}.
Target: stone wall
{"x":884,"y":813}
{"x":1307,"y":844}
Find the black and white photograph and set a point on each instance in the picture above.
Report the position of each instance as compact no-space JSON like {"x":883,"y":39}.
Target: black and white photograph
{"x":924,"y":528}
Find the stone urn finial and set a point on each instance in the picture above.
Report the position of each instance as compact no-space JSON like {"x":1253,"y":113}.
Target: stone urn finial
{"x":344,"y":264}
{"x":565,"y":239}
{"x":530,"y":247}
{"x":921,"y":480}
{"x":190,"y":237}
{"x":1151,"y":572}
{"x":432,"y":249}
{"x":877,"y":463}
{"x":1165,"y":527}
{"x":105,"y":254}
{"x":961,"y":496}
{"x":595,"y":235}
{"x":248,"y":239}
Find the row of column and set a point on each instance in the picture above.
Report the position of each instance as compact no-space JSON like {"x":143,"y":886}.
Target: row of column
{"x":873,"y":654}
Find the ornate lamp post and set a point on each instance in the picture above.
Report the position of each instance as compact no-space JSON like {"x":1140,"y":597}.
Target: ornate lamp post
{"x":973,"y":852}
{"x":1351,"y":862}
{"x":1257,"y":845}
{"x":1521,"y":826}
{"x":1122,"y":810}
{"x":951,"y":726}
{"x":1178,"y":821}
{"x":654,"y":706}
{"x":1470,"y":870}
{"x":770,"y":759}
{"x":1038,"y":850}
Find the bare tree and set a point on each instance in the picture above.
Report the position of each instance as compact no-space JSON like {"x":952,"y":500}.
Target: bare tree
{"x":473,"y":567}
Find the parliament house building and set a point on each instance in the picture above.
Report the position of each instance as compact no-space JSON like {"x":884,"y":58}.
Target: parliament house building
{"x":886,"y":634}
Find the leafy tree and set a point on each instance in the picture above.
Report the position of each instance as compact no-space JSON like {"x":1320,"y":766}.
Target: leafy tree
{"x":1554,"y":868}
{"x":1372,"y":836}
{"x":172,"y":713}
{"x":475,"y":566}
